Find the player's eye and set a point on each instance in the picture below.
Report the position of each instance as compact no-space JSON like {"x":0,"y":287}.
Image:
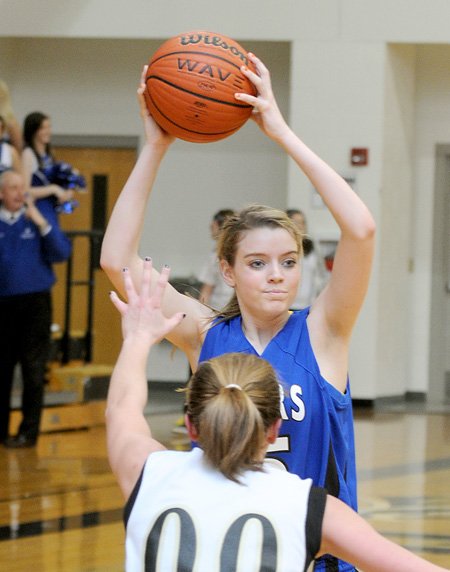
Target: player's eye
{"x":256,"y":264}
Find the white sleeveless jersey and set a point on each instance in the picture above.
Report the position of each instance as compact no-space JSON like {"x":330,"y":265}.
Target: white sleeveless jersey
{"x":185,"y":516}
{"x":6,"y":160}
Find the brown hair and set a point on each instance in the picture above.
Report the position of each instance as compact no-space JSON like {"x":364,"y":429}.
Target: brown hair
{"x":31,"y":125}
{"x":233,"y":229}
{"x":221,"y":216}
{"x":232,"y":421}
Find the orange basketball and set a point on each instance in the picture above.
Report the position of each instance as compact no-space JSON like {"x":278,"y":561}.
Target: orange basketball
{"x":191,"y":82}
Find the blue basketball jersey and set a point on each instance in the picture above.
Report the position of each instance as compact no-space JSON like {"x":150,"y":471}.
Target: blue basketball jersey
{"x":316,"y":438}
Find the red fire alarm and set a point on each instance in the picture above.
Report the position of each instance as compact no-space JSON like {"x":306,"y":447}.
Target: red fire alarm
{"x":359,"y":156}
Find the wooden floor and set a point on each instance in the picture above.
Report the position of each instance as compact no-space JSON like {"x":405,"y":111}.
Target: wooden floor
{"x":60,"y":509}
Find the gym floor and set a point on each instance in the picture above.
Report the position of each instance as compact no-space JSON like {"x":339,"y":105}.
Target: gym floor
{"x":61,"y":510}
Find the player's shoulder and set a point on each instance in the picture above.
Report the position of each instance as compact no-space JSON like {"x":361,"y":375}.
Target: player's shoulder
{"x":28,"y":153}
{"x":283,"y":481}
{"x":168,"y":459}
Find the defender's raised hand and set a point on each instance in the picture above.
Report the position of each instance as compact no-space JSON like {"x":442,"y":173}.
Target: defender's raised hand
{"x":142,"y":317}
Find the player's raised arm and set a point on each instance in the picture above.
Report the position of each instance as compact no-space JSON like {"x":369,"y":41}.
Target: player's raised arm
{"x":343,"y":298}
{"x":129,"y":436}
{"x":334,"y":312}
{"x":123,"y":234}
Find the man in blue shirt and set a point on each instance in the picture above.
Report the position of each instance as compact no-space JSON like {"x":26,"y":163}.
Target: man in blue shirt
{"x":29,"y":245}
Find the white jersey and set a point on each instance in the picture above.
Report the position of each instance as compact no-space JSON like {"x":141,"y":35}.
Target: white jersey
{"x":211,"y":275}
{"x":185,"y":515}
{"x":313,"y":278}
{"x":6,"y":158}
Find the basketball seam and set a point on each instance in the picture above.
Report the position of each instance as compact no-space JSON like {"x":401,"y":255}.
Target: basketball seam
{"x":157,"y":78}
{"x":206,"y":134}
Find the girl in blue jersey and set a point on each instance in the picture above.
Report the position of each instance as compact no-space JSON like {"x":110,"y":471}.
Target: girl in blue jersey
{"x":221,"y":507}
{"x":260,"y":250}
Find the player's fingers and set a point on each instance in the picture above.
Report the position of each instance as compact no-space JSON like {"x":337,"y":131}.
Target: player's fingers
{"x":260,"y":67}
{"x":246,"y":98}
{"x":141,"y":93}
{"x":146,"y":278}
{"x":118,"y":303}
{"x":142,"y":84}
{"x":161,"y":284}
{"x":144,"y":74}
{"x":175,"y":320}
{"x":141,"y":100}
{"x":255,"y":102}
{"x":261,"y":80}
{"x":132,"y":296}
{"x":253,"y":77}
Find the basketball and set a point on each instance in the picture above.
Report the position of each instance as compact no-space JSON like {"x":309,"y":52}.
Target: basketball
{"x":190,"y":86}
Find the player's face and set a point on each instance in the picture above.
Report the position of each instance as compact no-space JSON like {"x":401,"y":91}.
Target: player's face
{"x":266,"y":271}
{"x":12,"y":194}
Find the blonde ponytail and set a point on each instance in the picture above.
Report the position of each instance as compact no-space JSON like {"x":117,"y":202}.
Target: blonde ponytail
{"x":232,"y":400}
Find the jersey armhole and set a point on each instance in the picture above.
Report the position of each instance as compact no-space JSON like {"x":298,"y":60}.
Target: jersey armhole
{"x":313,"y":525}
{"x":132,"y":498}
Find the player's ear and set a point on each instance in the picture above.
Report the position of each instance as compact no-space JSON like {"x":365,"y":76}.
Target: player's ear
{"x":272,"y":431}
{"x":227,"y":273}
{"x":192,"y":431}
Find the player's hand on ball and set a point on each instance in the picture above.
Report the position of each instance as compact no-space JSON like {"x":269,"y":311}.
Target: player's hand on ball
{"x":153,"y":132}
{"x":266,"y":112}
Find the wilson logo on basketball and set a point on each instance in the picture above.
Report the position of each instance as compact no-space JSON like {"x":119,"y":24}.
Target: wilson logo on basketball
{"x":201,"y":68}
{"x":216,"y":41}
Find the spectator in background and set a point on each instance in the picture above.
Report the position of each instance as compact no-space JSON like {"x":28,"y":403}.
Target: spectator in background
{"x":214,"y":291}
{"x":29,"y":245}
{"x":13,"y":131}
{"x":313,"y":273}
{"x":9,"y":157}
{"x":37,"y":159}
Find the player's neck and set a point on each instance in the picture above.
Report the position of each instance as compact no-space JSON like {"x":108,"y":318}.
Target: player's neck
{"x":40,"y":148}
{"x":259,"y":333}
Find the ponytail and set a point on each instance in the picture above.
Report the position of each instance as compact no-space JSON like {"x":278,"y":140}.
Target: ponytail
{"x":232,"y":400}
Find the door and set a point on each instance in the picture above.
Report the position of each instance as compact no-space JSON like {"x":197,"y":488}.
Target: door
{"x":446,"y":260}
{"x":106,"y":171}
{"x":439,"y":391}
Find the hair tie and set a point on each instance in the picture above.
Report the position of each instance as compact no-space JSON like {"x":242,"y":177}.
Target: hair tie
{"x":231,"y":385}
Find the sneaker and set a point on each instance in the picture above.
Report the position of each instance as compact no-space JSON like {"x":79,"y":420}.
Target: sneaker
{"x":20,"y":442}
